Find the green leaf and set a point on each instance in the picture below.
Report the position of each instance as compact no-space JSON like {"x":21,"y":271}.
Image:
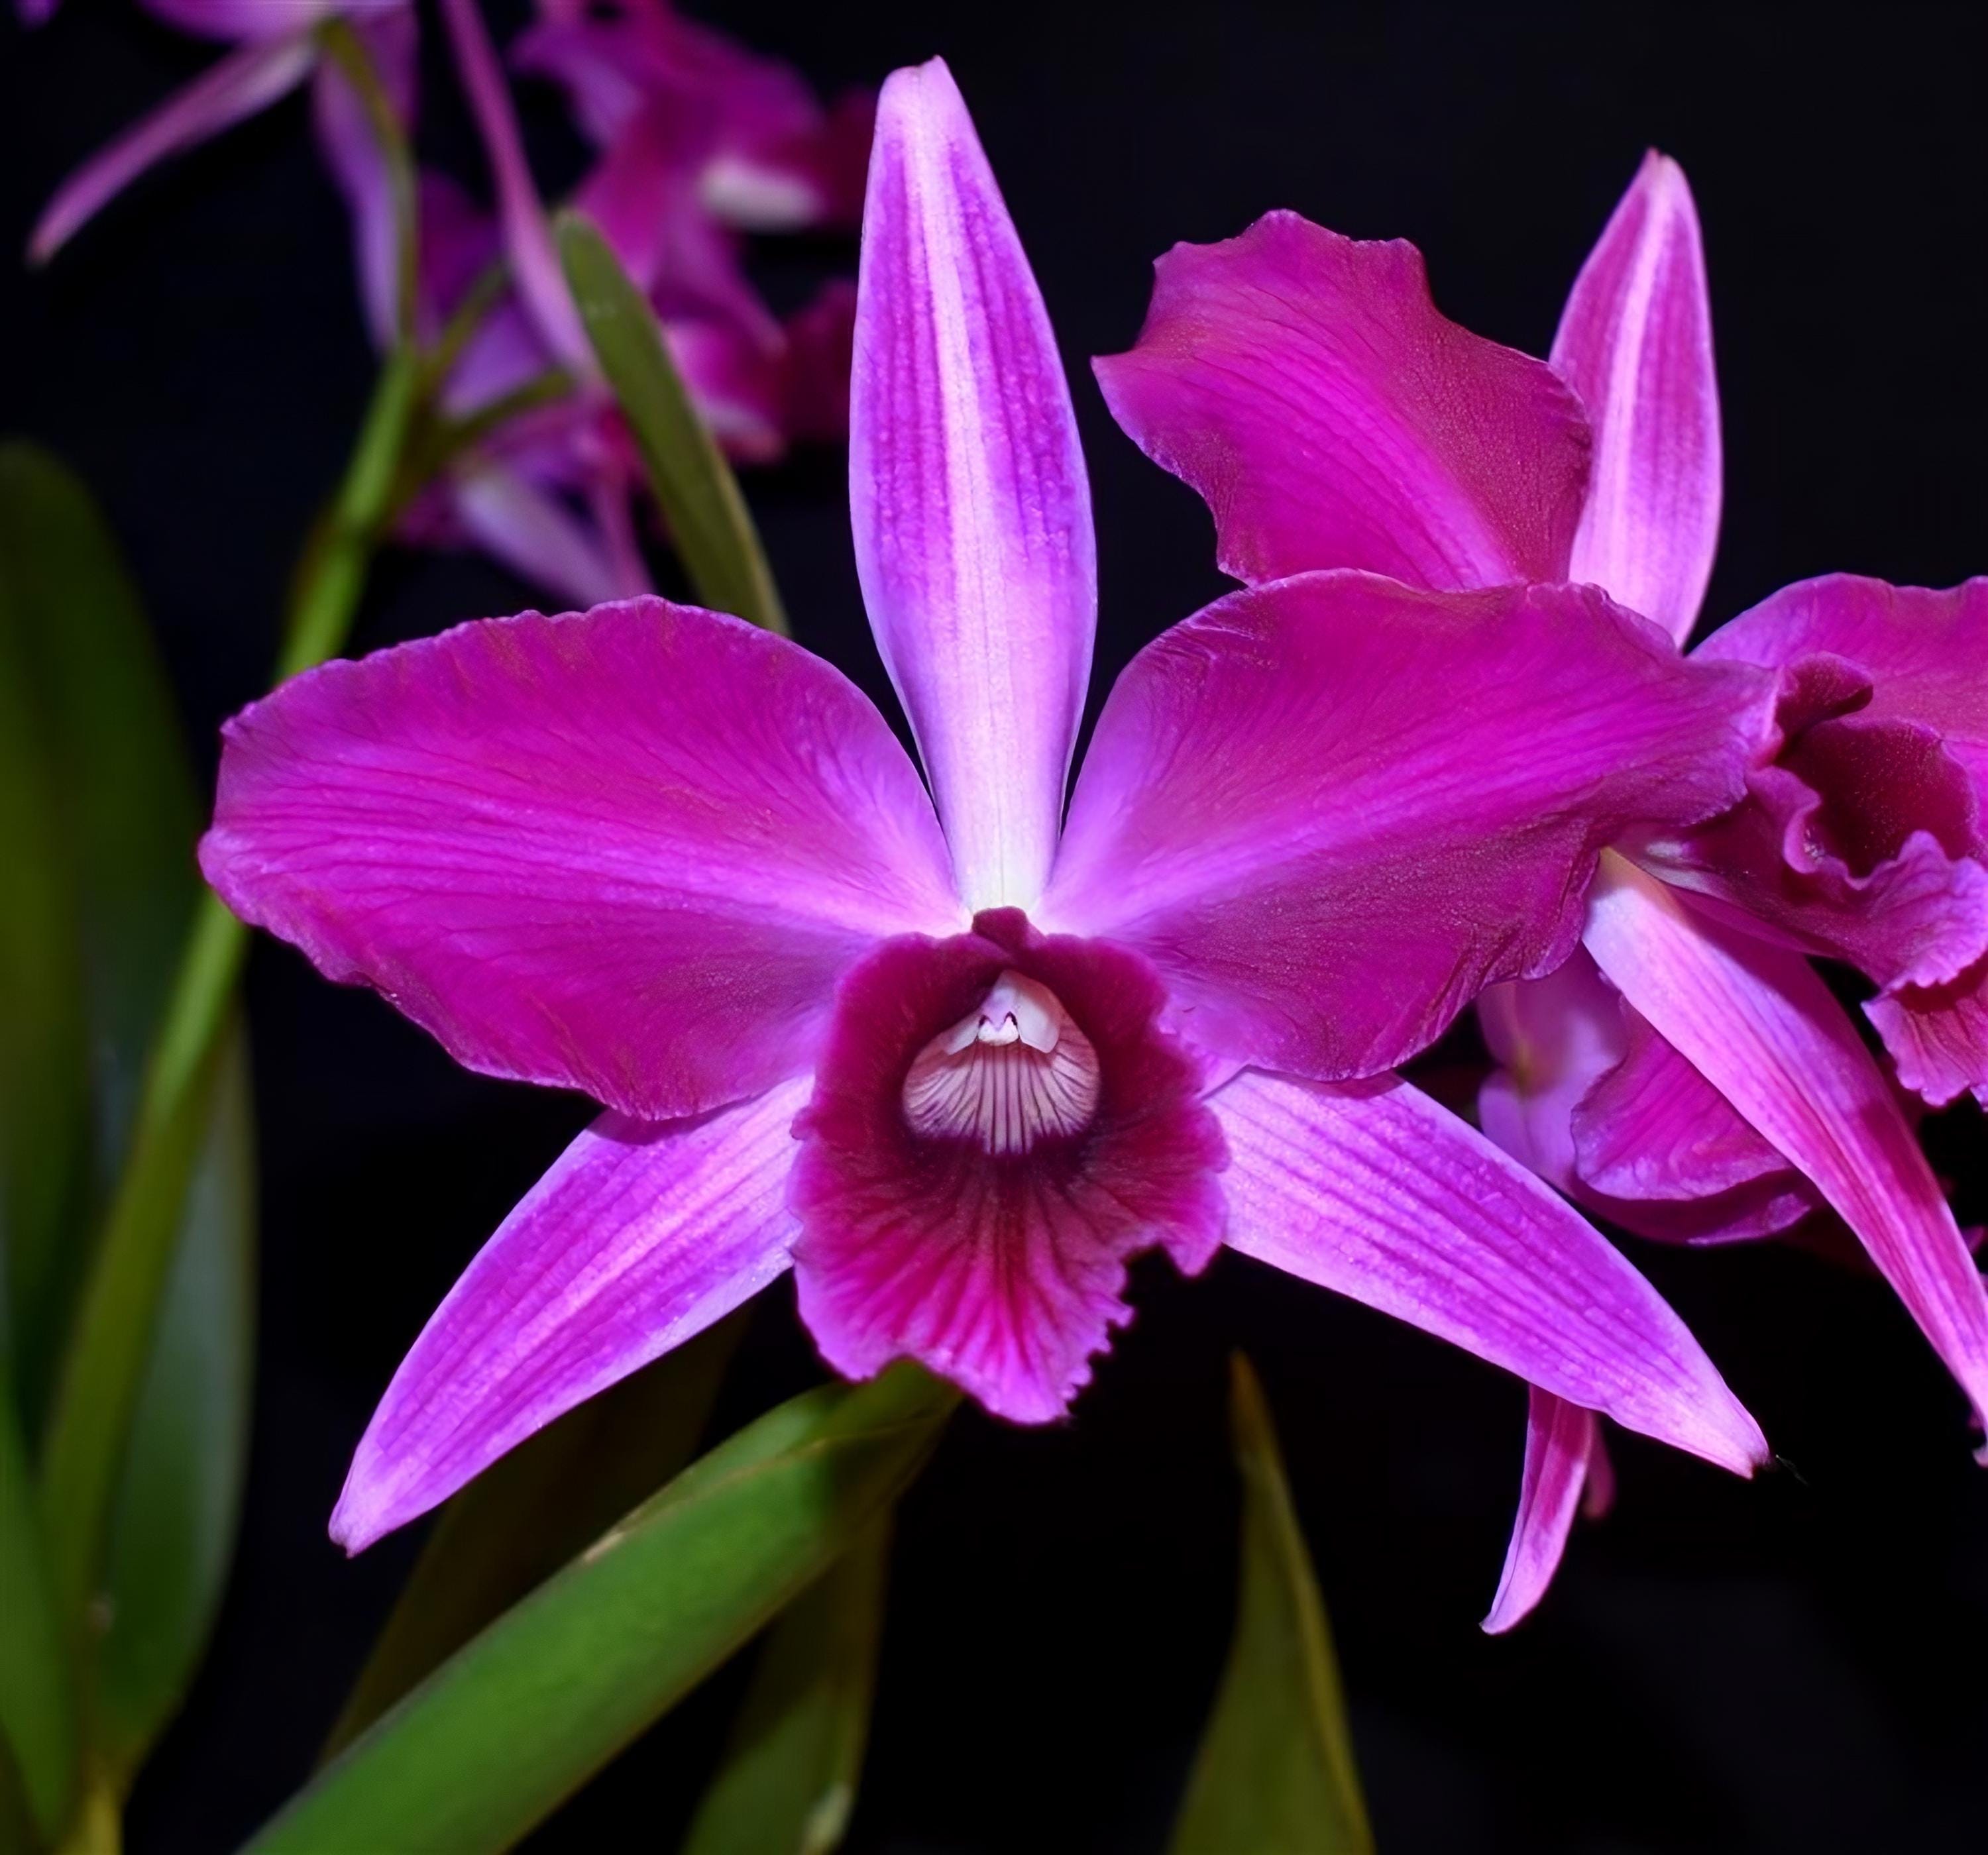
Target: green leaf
{"x":173,"y":1526}
{"x":788,"y":1783}
{"x":123,"y":800}
{"x":36,"y":1705}
{"x":44,"y":1051}
{"x":1275,"y":1773}
{"x":498,"y":1735}
{"x":694,"y":486}
{"x":530,"y":1511}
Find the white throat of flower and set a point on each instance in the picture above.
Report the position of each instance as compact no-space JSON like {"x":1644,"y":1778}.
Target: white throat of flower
{"x":1014,"y":1070}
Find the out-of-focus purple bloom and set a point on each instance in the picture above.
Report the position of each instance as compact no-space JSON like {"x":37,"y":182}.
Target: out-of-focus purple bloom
{"x":953,"y":1058}
{"x":275,"y":48}
{"x":759,"y":151}
{"x":1690,"y":1074}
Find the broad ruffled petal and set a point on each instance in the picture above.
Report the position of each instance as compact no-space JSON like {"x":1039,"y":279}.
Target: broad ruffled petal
{"x":627,"y":851}
{"x":246,"y":80}
{"x":1330,"y":415}
{"x":1373,"y":1190}
{"x":1636,"y":343}
{"x":1332,"y":810}
{"x":640,"y":1236}
{"x":1560,"y":1439}
{"x":967,"y":493}
{"x":1924,"y":652}
{"x":1003,"y":1270}
{"x":1760,"y":1026}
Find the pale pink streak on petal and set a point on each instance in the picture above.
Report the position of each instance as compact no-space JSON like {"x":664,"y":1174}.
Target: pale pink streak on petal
{"x":1761,"y":1026}
{"x":640,"y":1236}
{"x":1636,"y":343}
{"x":1373,"y":1190}
{"x":238,"y":19}
{"x":1560,"y":1438}
{"x":1332,"y":809}
{"x":968,"y":493}
{"x":534,"y":534}
{"x":1306,"y":385}
{"x":629,"y":851}
{"x":239,"y":85}
{"x":528,"y":236}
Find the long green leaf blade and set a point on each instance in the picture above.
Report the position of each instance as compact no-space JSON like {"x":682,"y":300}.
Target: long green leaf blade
{"x":788,"y":1783}
{"x":527,"y":1514}
{"x":502,"y":1731}
{"x":179,"y":1499}
{"x":694,"y":486}
{"x":1275,"y":1773}
{"x":37,"y":1717}
{"x":44,"y":1062}
{"x":128,"y":814}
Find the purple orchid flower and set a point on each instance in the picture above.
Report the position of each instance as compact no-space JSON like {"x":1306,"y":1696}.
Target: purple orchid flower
{"x":1689,"y":1074}
{"x":275,"y":48}
{"x":759,"y":152}
{"x":951,"y":1059}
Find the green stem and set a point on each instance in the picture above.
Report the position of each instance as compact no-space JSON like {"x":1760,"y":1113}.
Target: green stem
{"x":111,"y":1341}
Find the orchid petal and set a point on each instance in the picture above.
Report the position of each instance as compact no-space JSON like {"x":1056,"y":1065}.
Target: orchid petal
{"x":239,"y":85}
{"x":1560,"y":1438}
{"x":1636,"y":343}
{"x":528,"y":236}
{"x":1004,"y":1273}
{"x":628,"y":851}
{"x":640,"y":1236}
{"x":351,"y":149}
{"x":261,"y":20}
{"x":1760,"y":1026}
{"x":1333,"y":808}
{"x":1938,"y":1036}
{"x":1566,"y":1100}
{"x":1653,"y":1127}
{"x":967,"y":491}
{"x":534,"y":534}
{"x":1924,"y":652}
{"x":1371,"y":1190}
{"x":1306,"y":385}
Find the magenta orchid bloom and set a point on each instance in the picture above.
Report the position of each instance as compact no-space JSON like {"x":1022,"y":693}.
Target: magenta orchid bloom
{"x":275,"y":48}
{"x":705,"y":123}
{"x":951,"y":1059}
{"x":1689,"y":1074}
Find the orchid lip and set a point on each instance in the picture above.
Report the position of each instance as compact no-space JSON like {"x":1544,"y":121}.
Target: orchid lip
{"x":1015,"y":1070}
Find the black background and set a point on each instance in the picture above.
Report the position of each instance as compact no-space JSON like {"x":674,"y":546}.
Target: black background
{"x":1794,"y":1664}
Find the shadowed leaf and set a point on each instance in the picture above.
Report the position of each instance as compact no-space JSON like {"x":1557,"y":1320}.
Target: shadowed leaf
{"x":531,"y":1510}
{"x":788,"y":1783}
{"x":498,"y":1735}
{"x":123,"y":803}
{"x":693,"y":485}
{"x":1275,"y":1773}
